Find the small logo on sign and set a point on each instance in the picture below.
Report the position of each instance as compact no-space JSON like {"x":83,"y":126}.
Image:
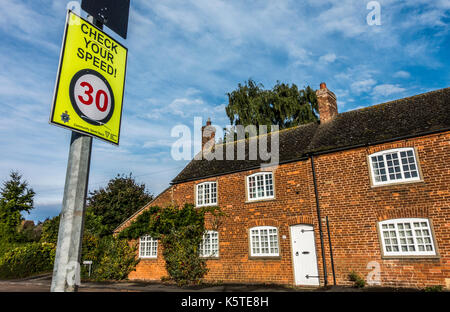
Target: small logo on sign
{"x":65,"y":117}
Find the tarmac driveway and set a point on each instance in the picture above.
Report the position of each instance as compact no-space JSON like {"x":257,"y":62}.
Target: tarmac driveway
{"x":42,"y":284}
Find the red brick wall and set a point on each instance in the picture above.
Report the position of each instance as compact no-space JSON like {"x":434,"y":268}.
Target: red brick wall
{"x":353,"y":206}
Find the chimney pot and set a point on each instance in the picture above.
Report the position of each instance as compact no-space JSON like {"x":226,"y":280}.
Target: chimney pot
{"x":323,"y":85}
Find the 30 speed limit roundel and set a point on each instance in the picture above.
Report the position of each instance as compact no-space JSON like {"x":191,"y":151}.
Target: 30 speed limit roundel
{"x":92,"y":97}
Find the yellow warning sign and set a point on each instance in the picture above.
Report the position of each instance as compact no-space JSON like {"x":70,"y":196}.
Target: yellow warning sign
{"x":91,"y":79}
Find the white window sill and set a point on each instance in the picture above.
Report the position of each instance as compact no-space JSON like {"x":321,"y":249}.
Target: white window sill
{"x":208,"y":205}
{"x":396,"y":183}
{"x":387,"y":257}
{"x":259,"y":200}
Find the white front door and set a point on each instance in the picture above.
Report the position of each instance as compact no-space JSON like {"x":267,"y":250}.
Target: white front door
{"x":304,"y":255}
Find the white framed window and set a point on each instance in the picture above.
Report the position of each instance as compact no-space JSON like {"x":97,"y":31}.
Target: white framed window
{"x":209,"y":246}
{"x":264,"y":241}
{"x":148,"y":247}
{"x":395,"y":165}
{"x":206,"y":194}
{"x":407,"y":237}
{"x":260,"y":186}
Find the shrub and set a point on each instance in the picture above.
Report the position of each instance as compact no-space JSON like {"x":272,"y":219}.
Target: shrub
{"x":112,"y":258}
{"x":181,"y":254}
{"x":118,"y":259}
{"x":27,"y":260}
{"x":357,"y":280}
{"x":435,"y":288}
{"x":6,"y":246}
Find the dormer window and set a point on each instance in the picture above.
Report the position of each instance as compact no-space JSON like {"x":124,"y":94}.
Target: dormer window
{"x":260,"y":186}
{"x":393,"y":166}
{"x":206,"y":194}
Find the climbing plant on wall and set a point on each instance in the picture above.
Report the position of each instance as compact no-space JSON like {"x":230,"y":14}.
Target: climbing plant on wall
{"x":180,"y":230}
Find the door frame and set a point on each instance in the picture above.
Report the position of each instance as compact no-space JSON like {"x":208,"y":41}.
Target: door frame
{"x":292,"y":252}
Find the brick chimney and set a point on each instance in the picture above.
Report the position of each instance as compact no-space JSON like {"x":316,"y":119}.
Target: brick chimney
{"x":327,"y":103}
{"x":208,"y":136}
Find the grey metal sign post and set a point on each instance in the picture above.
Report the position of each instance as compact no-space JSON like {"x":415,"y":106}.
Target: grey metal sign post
{"x":66,"y":269}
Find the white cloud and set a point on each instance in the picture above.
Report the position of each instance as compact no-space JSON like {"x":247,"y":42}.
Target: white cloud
{"x":363,"y":85}
{"x":401,"y":74}
{"x":341,"y":97}
{"x":26,"y":22}
{"x":346,"y":17}
{"x":387,"y":89}
{"x":432,"y":17}
{"x":156,"y":142}
{"x":181,"y":107}
{"x":328,"y":58}
{"x":184,"y":107}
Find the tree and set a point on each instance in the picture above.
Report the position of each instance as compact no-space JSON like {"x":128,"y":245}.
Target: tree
{"x":50,"y":229}
{"x":110,"y":206}
{"x":29,"y":232}
{"x":293,"y":107}
{"x":15,"y":197}
{"x":284,"y":105}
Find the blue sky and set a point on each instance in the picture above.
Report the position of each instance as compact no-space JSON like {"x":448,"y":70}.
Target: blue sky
{"x":184,"y":56}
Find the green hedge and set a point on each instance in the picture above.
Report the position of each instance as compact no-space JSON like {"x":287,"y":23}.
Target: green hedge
{"x":6,"y":246}
{"x":27,"y":260}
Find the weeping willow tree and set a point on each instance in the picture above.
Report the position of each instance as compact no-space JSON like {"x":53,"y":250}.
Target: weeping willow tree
{"x":284,"y":105}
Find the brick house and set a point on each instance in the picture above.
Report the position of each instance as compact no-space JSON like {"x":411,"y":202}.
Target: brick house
{"x":380,"y":176}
